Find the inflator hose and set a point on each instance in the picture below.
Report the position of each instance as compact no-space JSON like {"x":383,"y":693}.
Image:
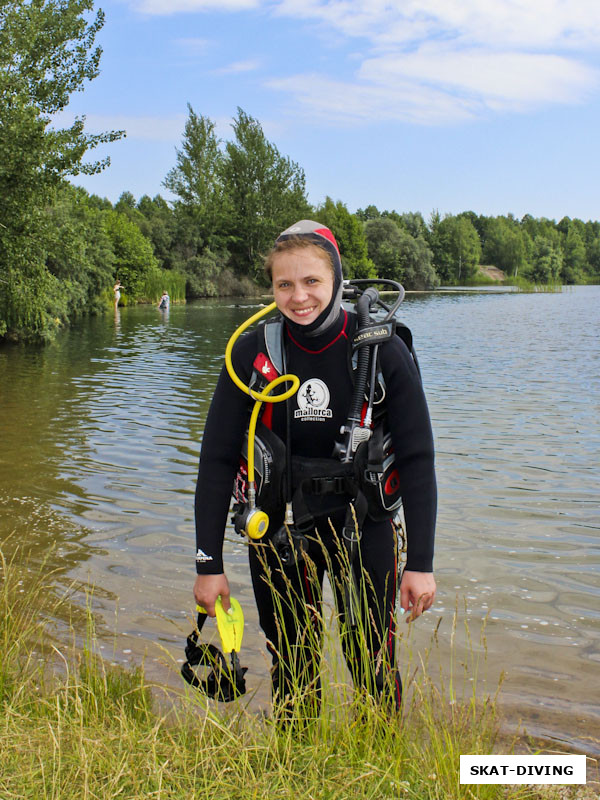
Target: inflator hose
{"x":363,"y":305}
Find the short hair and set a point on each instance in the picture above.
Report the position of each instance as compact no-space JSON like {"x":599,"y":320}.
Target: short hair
{"x":296,"y":243}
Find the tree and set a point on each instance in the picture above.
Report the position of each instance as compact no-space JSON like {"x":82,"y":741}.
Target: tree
{"x":477,"y":221}
{"x":370,"y":212}
{"x":350,"y":237}
{"x":46,"y":53}
{"x":416,"y":259}
{"x":413,"y":222}
{"x":506,"y":245}
{"x":134,"y":260}
{"x":159,"y":227}
{"x":456,"y":248}
{"x":547,"y":261}
{"x":384,"y":244}
{"x":575,"y":257}
{"x":592,"y":248}
{"x":266,"y":193}
{"x":399,"y":256}
{"x":198,"y":179}
{"x":79,"y":253}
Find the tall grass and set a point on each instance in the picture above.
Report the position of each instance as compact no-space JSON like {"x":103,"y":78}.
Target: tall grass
{"x":73,"y":728}
{"x":158,"y":281}
{"x":481,"y":279}
{"x":525,"y":285}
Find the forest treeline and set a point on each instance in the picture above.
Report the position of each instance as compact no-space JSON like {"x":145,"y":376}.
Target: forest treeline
{"x":62,"y":249}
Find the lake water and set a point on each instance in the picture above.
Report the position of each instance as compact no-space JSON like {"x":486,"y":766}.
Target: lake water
{"x":100,"y":439}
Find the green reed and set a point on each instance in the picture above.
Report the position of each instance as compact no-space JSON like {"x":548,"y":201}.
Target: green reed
{"x":522,"y":284}
{"x":158,"y":281}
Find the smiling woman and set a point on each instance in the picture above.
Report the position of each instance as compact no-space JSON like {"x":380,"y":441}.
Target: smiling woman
{"x":319,"y":517}
{"x":302,"y":280}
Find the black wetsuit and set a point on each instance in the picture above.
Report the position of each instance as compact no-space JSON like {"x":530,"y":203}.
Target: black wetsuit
{"x":318,"y":410}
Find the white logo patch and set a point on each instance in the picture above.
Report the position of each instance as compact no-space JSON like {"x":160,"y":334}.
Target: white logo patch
{"x":201,"y":557}
{"x":313,"y":399}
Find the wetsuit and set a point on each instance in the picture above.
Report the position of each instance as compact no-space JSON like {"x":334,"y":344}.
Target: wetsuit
{"x":288,"y":599}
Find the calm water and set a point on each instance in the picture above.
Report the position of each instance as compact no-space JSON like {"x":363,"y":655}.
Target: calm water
{"x":100,"y":440}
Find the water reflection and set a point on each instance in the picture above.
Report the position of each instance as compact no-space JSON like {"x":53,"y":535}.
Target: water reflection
{"x":102,"y":432}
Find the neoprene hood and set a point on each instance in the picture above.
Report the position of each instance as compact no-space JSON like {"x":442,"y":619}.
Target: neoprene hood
{"x":319,"y":234}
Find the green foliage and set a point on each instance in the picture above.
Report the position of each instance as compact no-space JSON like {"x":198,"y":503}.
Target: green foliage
{"x":398,"y":255}
{"x":134,"y":260}
{"x":61,"y":249}
{"x":547,"y":261}
{"x":349,"y":234}
{"x":414,"y":223}
{"x":158,"y":225}
{"x":46,"y":53}
{"x":370,"y":212}
{"x":593,"y":258}
{"x":266,"y":192}
{"x":80,"y":252}
{"x":482,"y":279}
{"x":202,"y":274}
{"x":575,"y":257}
{"x":198,"y":179}
{"x":506,"y":245}
{"x":384,"y":246}
{"x":158,"y":281}
{"x":456,"y":248}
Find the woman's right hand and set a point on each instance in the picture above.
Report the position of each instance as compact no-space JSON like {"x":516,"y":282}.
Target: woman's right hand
{"x":206,"y":590}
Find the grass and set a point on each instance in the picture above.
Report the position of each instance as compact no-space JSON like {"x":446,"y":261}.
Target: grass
{"x":73,"y":727}
{"x":520,"y":283}
{"x":162,"y":280}
{"x":482,"y":279}
{"x":524,"y":285}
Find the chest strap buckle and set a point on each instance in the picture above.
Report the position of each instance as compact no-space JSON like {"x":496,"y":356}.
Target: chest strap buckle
{"x":335,"y":484}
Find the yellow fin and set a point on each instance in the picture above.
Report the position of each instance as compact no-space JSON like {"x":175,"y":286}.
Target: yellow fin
{"x":230,"y":624}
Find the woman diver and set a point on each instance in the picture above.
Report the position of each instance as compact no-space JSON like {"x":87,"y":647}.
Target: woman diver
{"x":316,"y":331}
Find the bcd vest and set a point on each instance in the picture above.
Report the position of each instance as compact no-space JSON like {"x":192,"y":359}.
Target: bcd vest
{"x":370,"y":481}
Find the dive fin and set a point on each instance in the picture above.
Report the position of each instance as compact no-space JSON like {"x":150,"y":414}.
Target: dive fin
{"x":230,"y":624}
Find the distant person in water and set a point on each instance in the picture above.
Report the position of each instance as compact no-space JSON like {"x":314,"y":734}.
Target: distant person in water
{"x":116,"y":289}
{"x":164,"y":301}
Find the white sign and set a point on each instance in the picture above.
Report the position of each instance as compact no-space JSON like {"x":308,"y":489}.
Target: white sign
{"x":523,"y":769}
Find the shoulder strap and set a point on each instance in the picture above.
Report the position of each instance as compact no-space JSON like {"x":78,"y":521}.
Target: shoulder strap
{"x":268,"y":362}
{"x":272,"y":338}
{"x":405,"y":334}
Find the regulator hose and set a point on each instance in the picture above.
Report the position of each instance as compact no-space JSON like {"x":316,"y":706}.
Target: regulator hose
{"x":258,"y":527}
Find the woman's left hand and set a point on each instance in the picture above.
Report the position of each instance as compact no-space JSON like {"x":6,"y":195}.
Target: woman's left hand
{"x":417,"y":592}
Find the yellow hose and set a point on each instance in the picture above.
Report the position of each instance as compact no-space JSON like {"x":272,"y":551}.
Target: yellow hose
{"x":259,"y":397}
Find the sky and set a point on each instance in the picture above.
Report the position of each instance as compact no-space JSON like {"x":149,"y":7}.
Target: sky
{"x":491,"y":106}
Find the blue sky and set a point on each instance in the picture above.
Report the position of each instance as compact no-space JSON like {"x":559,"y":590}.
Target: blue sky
{"x":412,"y":105}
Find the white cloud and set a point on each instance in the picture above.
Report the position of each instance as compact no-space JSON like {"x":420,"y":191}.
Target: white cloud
{"x":237,"y":67}
{"x":510,"y":79}
{"x":342,"y":101}
{"x":436,"y":60}
{"x":432,"y":61}
{"x":497,"y":23}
